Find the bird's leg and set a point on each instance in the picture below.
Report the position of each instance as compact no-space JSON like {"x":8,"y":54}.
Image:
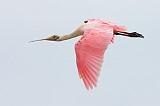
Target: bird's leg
{"x":132,"y":34}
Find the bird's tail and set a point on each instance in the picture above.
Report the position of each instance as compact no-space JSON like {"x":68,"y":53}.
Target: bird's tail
{"x":132,"y":34}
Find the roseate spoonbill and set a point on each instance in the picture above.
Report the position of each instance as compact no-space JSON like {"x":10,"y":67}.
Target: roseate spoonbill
{"x":96,"y":36}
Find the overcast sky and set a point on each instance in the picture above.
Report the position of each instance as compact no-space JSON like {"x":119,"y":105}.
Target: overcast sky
{"x":45,"y":73}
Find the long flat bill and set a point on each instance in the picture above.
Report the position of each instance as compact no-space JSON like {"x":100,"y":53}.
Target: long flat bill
{"x":36,"y":40}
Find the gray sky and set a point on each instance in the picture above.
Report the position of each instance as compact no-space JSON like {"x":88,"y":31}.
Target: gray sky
{"x":45,"y":73}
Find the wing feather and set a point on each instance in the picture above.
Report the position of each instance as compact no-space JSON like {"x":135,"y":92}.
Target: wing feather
{"x":90,"y":51}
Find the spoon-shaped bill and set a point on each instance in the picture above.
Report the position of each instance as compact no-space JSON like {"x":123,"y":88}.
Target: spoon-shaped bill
{"x":36,"y":40}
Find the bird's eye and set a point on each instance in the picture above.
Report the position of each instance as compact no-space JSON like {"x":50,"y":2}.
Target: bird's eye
{"x":85,"y":21}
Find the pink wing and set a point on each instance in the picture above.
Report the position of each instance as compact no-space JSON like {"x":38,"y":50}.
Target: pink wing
{"x":89,"y":54}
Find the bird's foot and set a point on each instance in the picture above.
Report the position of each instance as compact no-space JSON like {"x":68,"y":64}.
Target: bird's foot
{"x":135,"y":34}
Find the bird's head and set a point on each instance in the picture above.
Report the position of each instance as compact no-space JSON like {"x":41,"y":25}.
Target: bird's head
{"x":50,"y":38}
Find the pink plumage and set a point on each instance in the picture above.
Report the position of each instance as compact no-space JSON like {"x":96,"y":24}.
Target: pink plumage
{"x":96,"y":36}
{"x":90,"y":49}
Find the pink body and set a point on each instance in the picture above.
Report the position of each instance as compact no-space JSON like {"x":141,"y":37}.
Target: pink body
{"x":90,"y":49}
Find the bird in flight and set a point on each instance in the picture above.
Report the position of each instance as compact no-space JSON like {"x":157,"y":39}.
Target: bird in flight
{"x":96,"y":35}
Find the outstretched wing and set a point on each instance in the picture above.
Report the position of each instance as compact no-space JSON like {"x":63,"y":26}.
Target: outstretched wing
{"x":89,"y":54}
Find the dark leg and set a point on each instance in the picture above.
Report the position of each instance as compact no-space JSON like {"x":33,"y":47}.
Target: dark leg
{"x":132,"y":34}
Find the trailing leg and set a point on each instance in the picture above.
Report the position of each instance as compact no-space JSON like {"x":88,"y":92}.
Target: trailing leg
{"x":132,"y":34}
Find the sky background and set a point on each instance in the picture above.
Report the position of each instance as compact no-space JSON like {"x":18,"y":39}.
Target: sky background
{"x":45,"y":73}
